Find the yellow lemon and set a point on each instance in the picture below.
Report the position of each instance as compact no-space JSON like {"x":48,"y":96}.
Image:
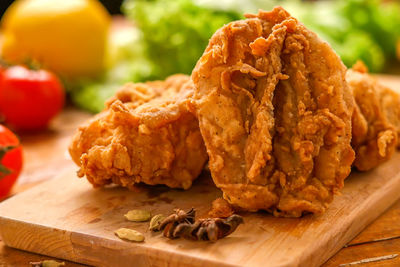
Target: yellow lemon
{"x":66,"y":36}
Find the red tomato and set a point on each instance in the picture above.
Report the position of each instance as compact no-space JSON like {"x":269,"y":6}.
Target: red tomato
{"x":10,"y":160}
{"x":29,"y":99}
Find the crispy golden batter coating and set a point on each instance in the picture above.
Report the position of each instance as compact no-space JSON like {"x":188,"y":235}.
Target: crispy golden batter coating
{"x":275,"y":114}
{"x":221,"y":209}
{"x":390,"y":102}
{"x":146,"y":134}
{"x":376,"y":119}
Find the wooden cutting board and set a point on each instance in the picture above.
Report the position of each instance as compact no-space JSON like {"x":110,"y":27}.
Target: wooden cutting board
{"x":66,"y":218}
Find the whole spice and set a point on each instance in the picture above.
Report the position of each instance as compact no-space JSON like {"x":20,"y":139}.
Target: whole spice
{"x":169,"y":224}
{"x":47,"y":263}
{"x":138,"y":215}
{"x":129,"y":234}
{"x":182,"y":224}
{"x":155,"y":222}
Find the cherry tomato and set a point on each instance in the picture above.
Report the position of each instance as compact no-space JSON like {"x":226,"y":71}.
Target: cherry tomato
{"x":29,"y":99}
{"x":10,"y":160}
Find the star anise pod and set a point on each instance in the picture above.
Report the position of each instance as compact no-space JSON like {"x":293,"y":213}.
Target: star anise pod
{"x":177,"y":225}
{"x":169,"y":224}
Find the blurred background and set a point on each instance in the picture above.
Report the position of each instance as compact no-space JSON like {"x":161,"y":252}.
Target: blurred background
{"x":113,"y":6}
{"x":139,"y":40}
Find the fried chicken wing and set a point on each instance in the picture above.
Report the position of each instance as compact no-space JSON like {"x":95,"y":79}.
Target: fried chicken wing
{"x":146,"y":134}
{"x":376,"y":119}
{"x":275,"y":114}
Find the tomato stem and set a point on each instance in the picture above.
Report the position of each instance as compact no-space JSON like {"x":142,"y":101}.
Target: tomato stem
{"x":4,"y":171}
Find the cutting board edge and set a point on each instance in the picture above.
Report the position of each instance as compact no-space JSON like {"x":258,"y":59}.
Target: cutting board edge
{"x":142,"y":255}
{"x":71,"y":242}
{"x":354,"y":228}
{"x":8,"y":226}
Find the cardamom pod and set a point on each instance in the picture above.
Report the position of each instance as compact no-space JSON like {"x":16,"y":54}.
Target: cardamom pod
{"x":155,"y":222}
{"x":138,"y":215}
{"x":129,"y":234}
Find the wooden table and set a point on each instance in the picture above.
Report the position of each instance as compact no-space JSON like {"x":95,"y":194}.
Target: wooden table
{"x":45,"y":156}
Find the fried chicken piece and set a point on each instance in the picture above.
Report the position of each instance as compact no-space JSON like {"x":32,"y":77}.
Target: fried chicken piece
{"x":146,"y":134}
{"x":275,"y":114}
{"x":376,"y":119}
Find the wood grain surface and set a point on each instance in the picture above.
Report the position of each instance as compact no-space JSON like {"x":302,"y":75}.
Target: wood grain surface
{"x":65,"y":218}
{"x":45,"y":153}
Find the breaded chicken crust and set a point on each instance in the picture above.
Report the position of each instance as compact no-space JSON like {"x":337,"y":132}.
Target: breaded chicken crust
{"x":275,"y":114}
{"x":376,"y":119}
{"x":146,"y":134}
